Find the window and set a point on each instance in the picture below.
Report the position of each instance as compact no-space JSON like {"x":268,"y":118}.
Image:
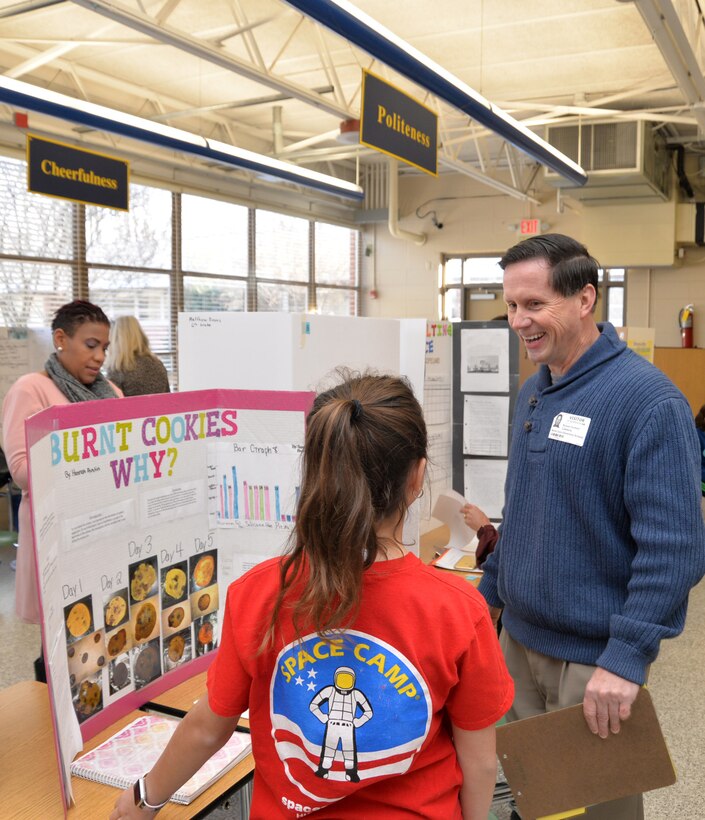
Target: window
{"x":146,"y":296}
{"x":460,"y":274}
{"x":204,"y":293}
{"x":281,"y":248}
{"x":169,"y":252}
{"x":30,"y":293}
{"x":287,"y":298}
{"x":140,"y":237}
{"x":336,"y":264}
{"x":36,"y":242}
{"x":613,"y":292}
{"x":31,"y":224}
{"x":214,"y":236}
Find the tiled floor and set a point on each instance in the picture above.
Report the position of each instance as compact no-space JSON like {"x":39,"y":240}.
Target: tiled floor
{"x":21,"y":641}
{"x":677,"y":685}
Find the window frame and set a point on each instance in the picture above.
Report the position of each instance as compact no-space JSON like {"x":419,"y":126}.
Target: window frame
{"x":81,"y":268}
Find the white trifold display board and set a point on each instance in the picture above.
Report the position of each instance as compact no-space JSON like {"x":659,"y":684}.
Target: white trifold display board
{"x":296,"y":351}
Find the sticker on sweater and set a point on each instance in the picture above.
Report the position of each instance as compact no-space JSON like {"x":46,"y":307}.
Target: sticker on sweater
{"x":569,"y":428}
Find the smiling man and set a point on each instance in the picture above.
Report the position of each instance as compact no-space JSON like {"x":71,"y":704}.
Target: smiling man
{"x":603,"y":536}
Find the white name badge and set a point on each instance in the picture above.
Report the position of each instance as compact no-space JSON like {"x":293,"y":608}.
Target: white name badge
{"x":569,"y":428}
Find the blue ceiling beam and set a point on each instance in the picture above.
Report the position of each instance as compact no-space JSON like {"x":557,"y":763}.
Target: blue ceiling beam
{"x":353,"y":25}
{"x":100,"y":118}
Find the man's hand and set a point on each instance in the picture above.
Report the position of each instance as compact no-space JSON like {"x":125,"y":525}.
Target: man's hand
{"x":495,"y":613}
{"x":608,"y":700}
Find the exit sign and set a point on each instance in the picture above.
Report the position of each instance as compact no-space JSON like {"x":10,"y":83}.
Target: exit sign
{"x":529,"y":227}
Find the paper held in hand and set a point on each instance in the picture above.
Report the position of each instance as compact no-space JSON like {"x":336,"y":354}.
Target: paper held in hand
{"x":447,"y":510}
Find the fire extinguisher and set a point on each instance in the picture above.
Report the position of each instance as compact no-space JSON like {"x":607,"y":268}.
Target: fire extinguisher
{"x":685,"y":320}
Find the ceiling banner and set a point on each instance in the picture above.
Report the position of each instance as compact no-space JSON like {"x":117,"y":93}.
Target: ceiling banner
{"x":394,"y":123}
{"x":60,"y":170}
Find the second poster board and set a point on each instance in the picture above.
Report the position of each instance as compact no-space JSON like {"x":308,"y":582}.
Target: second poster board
{"x":485,"y":387}
{"x":294,"y":351}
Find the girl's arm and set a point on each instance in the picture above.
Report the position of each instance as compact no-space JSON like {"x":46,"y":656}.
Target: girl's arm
{"x":199,"y":736}
{"x":476,"y":752}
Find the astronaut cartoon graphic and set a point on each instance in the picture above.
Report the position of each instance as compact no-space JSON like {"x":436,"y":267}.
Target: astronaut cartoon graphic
{"x":341,"y":721}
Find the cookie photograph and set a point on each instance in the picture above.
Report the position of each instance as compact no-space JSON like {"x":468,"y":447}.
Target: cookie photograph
{"x":87,"y":698}
{"x":78,"y":618}
{"x":119,"y":673}
{"x":118,"y":641}
{"x":146,"y":663}
{"x":144,"y":620}
{"x":203,"y":570}
{"x":143,"y":579}
{"x":176,"y":649}
{"x":115,"y":610}
{"x":204,"y":631}
{"x":204,"y":601}
{"x":86,"y":657}
{"x":173,"y":585}
{"x":176,"y":618}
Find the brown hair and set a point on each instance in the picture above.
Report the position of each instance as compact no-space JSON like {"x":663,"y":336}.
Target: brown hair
{"x":700,"y":418}
{"x":363,"y":437}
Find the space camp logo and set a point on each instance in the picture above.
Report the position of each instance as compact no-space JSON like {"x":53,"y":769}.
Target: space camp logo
{"x":345,"y":711}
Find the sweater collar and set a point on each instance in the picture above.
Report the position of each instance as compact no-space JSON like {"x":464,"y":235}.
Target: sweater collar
{"x":607,"y":346}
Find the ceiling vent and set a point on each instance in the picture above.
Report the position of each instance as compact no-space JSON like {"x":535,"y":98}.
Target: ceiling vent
{"x":626,"y":162}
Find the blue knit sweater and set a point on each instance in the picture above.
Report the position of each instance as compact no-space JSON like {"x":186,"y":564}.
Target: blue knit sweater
{"x":600,"y":544}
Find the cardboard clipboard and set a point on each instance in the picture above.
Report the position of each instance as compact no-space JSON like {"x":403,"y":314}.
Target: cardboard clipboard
{"x":554,"y":764}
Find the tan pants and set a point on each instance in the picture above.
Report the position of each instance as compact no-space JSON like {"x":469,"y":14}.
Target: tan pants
{"x":545,"y":684}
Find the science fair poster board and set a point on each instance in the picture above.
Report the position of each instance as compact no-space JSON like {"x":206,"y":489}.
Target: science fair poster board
{"x":294,"y":351}
{"x":485,"y":387}
{"x":144,"y":511}
{"x":298,"y":351}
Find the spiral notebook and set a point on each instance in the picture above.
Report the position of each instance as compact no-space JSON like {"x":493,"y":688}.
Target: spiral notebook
{"x":134,"y":750}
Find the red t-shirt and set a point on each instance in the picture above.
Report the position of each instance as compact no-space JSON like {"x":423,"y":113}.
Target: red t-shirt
{"x":360,"y":726}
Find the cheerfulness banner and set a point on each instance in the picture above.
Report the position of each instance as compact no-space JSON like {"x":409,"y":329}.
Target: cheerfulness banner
{"x":396,"y":124}
{"x":59,"y":170}
{"x":144,"y":511}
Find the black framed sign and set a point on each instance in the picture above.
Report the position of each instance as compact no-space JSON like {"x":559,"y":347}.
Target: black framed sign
{"x":63,"y":171}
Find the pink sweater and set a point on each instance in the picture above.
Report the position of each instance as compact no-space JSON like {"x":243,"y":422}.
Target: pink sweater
{"x":27,"y":396}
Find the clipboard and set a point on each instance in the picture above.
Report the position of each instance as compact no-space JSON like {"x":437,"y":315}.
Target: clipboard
{"x":554,"y":765}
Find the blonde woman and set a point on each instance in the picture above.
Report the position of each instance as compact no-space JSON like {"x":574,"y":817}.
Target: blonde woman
{"x":131,"y":364}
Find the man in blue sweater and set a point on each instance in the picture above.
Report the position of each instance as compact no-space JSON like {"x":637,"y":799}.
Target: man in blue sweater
{"x":603,"y":535}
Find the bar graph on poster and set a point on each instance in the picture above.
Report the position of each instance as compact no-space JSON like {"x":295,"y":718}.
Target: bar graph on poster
{"x":253,"y":485}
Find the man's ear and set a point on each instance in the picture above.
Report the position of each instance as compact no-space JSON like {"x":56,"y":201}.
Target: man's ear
{"x":588,"y":297}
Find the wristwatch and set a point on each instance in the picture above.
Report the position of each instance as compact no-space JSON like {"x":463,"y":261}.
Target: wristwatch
{"x":140,"y":792}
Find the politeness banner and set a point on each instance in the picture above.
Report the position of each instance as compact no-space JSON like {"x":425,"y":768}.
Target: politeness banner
{"x":396,"y":124}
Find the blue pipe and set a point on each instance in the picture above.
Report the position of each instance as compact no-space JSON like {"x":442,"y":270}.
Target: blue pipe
{"x":379,"y":45}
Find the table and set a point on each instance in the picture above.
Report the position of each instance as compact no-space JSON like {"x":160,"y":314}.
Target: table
{"x":178,"y":700}
{"x":432,"y":542}
{"x":29,"y":774}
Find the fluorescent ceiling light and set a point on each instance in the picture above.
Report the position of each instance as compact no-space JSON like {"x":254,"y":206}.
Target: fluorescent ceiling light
{"x":276,"y":167}
{"x":101,"y":118}
{"x":358,"y":28}
{"x":40,"y":99}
